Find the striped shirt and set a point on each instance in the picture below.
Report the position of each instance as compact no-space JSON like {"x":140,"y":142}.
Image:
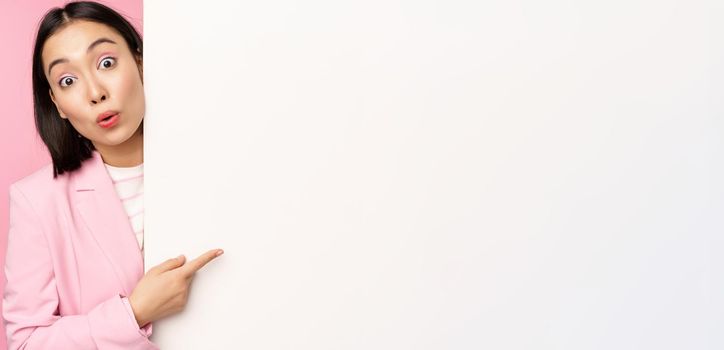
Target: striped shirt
{"x":128,"y":182}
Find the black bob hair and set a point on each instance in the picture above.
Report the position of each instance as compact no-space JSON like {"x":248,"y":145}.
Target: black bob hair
{"x":67,"y":147}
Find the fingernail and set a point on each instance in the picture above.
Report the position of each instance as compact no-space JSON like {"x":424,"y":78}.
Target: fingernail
{"x":219,"y":252}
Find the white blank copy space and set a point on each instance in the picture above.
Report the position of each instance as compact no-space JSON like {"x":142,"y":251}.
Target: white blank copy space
{"x":439,"y":174}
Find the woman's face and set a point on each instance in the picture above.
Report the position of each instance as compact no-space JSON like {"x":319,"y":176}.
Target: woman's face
{"x":98,"y":74}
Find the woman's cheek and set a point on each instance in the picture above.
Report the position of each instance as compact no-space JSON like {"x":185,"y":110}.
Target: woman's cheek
{"x":122,"y":85}
{"x":131,"y":90}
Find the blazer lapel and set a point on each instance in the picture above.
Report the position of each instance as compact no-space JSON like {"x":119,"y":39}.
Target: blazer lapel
{"x":102,"y":211}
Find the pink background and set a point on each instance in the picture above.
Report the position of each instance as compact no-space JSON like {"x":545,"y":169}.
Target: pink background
{"x":21,"y":149}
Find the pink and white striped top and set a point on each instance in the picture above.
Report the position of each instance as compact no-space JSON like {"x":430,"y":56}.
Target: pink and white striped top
{"x":129,"y":186}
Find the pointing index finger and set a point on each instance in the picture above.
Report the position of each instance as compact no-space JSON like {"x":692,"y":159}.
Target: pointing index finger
{"x":194,"y":265}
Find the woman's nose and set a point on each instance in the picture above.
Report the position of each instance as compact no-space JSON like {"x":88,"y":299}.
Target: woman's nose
{"x":96,"y":91}
{"x":95,"y":100}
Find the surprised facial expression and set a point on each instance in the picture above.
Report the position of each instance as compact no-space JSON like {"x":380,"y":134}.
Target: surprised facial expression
{"x":92,"y":71}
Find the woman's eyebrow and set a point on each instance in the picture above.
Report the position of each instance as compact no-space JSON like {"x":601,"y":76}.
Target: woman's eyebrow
{"x":90,"y":47}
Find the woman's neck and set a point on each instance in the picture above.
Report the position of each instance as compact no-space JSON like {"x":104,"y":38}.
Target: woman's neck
{"x":127,"y":154}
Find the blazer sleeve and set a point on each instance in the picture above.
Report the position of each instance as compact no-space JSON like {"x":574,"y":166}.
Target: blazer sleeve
{"x":146,"y":330}
{"x":30,"y":300}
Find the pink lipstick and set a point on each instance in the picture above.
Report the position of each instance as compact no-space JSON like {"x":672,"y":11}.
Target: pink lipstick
{"x":109,"y":121}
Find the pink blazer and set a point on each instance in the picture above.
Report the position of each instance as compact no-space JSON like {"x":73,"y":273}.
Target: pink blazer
{"x":72,"y":259}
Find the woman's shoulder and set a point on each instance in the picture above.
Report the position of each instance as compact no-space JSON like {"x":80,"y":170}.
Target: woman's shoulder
{"x":40,"y":183}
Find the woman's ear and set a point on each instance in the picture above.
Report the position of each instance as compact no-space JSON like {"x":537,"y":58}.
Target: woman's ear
{"x":52,"y":97}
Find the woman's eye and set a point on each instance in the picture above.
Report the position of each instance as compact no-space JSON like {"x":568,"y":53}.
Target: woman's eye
{"x":105,"y":63}
{"x":108,"y":62}
{"x":67,"y":81}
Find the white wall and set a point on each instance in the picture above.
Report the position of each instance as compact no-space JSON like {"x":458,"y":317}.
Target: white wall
{"x":439,"y":174}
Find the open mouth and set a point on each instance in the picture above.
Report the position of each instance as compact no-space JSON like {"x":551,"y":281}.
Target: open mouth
{"x":109,"y":121}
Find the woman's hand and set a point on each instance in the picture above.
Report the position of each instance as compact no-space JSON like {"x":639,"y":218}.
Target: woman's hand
{"x":163,"y":290}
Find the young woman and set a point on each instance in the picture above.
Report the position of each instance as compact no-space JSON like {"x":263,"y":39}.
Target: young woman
{"x":74,"y":265}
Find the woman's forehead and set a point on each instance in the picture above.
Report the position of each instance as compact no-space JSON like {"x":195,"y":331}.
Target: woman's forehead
{"x":73,"y":40}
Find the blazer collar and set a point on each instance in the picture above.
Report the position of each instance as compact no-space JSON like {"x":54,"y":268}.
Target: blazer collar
{"x":102,"y":212}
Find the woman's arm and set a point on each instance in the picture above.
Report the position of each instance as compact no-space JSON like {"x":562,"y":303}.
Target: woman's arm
{"x":30,"y":300}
